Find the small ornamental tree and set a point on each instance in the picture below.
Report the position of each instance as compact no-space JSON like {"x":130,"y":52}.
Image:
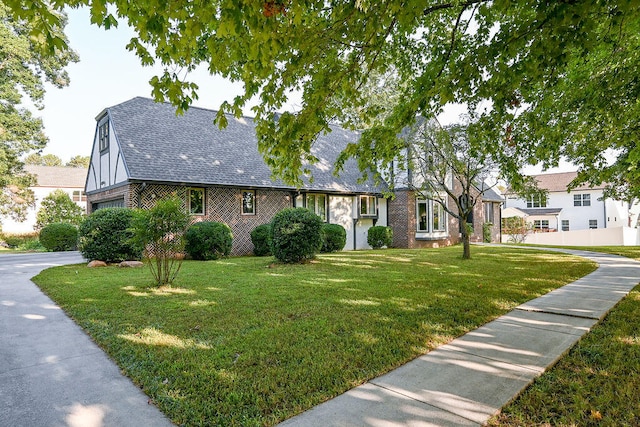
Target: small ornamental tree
{"x":516,"y":228}
{"x":296,"y":235}
{"x":58,"y":207}
{"x":261,"y":239}
{"x":334,"y":237}
{"x":106,"y":235}
{"x":208,"y":240}
{"x":59,"y":236}
{"x":379,"y":236}
{"x":160,"y":230}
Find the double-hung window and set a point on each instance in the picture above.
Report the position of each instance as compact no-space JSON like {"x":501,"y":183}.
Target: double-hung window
{"x":565,"y":225}
{"x":582,"y":200}
{"x":593,"y":223}
{"x":368,"y":206}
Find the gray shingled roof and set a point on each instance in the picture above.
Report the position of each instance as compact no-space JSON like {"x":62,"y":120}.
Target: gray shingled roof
{"x":159,"y":146}
{"x":58,"y":176}
{"x":490,"y":195}
{"x":541,"y":211}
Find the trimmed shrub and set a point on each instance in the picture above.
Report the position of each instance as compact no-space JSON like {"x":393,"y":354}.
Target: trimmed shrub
{"x":107,"y":235}
{"x":261,"y":239}
{"x":379,"y":236}
{"x":296,"y":235}
{"x":59,"y":236}
{"x":334,"y":237}
{"x":208,"y":240}
{"x":487,"y":228}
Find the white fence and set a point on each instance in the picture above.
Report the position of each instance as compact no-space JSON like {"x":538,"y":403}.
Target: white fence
{"x":618,"y":236}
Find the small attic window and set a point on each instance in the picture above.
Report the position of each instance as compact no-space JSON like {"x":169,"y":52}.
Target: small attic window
{"x":103,"y":136}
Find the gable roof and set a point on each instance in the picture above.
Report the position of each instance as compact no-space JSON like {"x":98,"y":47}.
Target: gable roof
{"x":560,"y":181}
{"x":58,"y":176}
{"x":157,"y":145}
{"x":489,"y":194}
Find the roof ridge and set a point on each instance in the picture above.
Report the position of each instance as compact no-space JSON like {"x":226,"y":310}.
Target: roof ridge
{"x":191,"y":107}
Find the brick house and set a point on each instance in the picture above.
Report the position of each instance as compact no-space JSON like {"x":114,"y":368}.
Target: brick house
{"x":413,"y":220}
{"x":143,"y":151}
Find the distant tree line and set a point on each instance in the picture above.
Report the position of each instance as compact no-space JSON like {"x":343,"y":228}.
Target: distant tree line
{"x":53,"y":160}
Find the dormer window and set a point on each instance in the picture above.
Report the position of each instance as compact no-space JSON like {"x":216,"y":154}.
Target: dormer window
{"x":103,"y":136}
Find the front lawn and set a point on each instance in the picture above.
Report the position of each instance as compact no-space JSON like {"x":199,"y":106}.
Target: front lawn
{"x":245,"y":341}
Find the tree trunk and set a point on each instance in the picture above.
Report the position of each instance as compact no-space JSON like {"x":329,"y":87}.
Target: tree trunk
{"x":466,"y":244}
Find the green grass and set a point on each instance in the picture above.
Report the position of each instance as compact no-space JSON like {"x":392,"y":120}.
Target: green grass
{"x":598,"y":382}
{"x":244,"y":341}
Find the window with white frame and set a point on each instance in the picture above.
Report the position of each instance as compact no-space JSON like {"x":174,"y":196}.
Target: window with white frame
{"x":565,"y":225}
{"x":541,"y":224}
{"x":430,"y":216}
{"x":582,"y":200}
{"x":249,"y":202}
{"x":439,"y":221}
{"x":422,"y":213}
{"x":103,"y":136}
{"x":317,"y":203}
{"x":593,"y":223}
{"x":368,"y":206}
{"x":195,"y":201}
{"x":488,"y":212}
{"x":79,"y":196}
{"x":536,"y":201}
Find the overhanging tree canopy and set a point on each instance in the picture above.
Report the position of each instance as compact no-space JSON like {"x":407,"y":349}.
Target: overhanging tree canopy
{"x":548,"y":79}
{"x":24,"y":66}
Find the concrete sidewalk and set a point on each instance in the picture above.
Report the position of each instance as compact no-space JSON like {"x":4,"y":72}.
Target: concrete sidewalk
{"x":467,"y":381}
{"x":51,"y":373}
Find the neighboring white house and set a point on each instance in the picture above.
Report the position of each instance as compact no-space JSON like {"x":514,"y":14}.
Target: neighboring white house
{"x":49,"y":179}
{"x":582,"y":208}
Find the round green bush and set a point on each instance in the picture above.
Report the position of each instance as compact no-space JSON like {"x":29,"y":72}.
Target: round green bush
{"x":261,"y":239}
{"x":107,"y":235}
{"x":208,"y":240}
{"x":59,"y":236}
{"x":379,"y":236}
{"x":334,"y":237}
{"x":296,"y":235}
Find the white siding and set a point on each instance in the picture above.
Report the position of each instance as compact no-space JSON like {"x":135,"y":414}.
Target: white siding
{"x":26,"y":226}
{"x":342,"y":211}
{"x":578,"y":216}
{"x":618,"y":214}
{"x":106,"y":168}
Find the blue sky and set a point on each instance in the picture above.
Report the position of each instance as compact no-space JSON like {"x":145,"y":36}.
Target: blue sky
{"x":107,"y":74}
